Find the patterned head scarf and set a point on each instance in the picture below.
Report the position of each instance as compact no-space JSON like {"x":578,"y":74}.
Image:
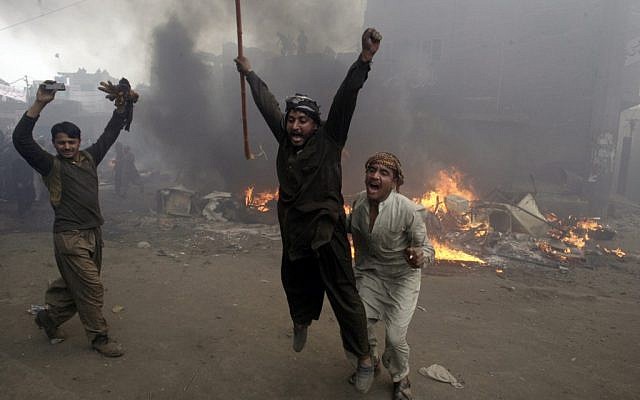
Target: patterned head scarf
{"x":390,"y":161}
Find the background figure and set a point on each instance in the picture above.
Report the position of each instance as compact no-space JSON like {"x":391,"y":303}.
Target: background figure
{"x":42,"y":194}
{"x":118,"y":169}
{"x":125,"y":171}
{"x":302,"y":43}
{"x":287,"y":46}
{"x":22,"y":188}
{"x":6,"y":156}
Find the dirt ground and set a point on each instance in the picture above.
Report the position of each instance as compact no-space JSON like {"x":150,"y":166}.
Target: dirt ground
{"x":202,"y":315}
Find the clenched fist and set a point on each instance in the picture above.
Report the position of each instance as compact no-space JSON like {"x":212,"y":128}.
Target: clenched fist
{"x":370,"y":43}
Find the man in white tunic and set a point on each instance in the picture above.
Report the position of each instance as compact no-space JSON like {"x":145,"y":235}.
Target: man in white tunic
{"x":391,"y":244}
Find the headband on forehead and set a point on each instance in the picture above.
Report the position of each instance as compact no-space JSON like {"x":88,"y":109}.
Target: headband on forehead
{"x":305,"y":104}
{"x":390,"y":161}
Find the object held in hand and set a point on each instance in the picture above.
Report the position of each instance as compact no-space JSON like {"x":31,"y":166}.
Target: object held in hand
{"x":55,"y":86}
{"x":120,"y":94}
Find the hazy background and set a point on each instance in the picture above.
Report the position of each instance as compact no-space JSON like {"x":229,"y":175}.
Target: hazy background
{"x":117,"y":34}
{"x":512,"y":93}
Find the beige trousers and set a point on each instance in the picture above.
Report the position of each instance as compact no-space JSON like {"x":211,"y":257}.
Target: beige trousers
{"x":390,"y":297}
{"x":79,"y":257}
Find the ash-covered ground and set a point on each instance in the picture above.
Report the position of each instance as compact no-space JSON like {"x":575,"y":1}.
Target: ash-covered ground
{"x":202,"y":315}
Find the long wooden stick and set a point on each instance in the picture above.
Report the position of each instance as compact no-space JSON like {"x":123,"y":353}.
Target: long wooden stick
{"x":243,"y":92}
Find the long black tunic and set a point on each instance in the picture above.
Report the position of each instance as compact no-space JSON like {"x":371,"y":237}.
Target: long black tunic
{"x":310,"y":200}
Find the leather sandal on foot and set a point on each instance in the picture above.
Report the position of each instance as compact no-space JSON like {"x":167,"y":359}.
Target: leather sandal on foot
{"x":402,"y":390}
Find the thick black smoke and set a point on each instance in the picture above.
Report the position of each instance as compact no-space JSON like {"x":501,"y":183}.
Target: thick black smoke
{"x":180,"y":112}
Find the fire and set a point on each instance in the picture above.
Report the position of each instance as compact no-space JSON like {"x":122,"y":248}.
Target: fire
{"x":573,"y":232}
{"x":551,"y":252}
{"x":618,"y":252}
{"x":447,"y":183}
{"x":445,"y":253}
{"x":589,"y":224}
{"x":259,"y":201}
{"x":572,"y":238}
{"x":347,"y":209}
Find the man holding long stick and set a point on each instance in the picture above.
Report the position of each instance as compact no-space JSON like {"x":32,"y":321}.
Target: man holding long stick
{"x":316,"y":255}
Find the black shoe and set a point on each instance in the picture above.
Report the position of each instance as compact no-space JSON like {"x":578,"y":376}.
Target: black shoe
{"x":44,"y":321}
{"x":299,"y":337}
{"x":402,"y":390}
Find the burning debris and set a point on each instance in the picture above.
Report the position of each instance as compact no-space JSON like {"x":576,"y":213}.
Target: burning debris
{"x":466,"y":229}
{"x":262,"y":202}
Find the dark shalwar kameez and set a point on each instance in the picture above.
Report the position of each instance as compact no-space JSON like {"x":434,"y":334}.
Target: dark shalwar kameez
{"x":316,"y":256}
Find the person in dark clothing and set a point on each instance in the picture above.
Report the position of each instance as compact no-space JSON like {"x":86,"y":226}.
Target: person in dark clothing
{"x":22,"y":185}
{"x":125,"y":172}
{"x":316,"y":255}
{"x":72,"y":180}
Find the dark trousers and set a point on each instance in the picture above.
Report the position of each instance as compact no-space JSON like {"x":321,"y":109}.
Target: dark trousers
{"x":79,"y":258}
{"x":306,"y":280}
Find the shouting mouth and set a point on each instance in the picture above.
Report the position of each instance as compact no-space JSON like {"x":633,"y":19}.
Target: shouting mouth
{"x":296,"y":138}
{"x":373,"y":187}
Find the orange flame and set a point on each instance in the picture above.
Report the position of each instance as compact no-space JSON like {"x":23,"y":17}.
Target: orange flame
{"x":446,"y":253}
{"x":447,"y":183}
{"x":551,"y":252}
{"x":618,"y":252}
{"x":589,"y":224}
{"x":259,"y":201}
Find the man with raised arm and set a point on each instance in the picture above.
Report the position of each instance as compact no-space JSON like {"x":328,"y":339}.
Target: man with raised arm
{"x":72,"y":180}
{"x":316,"y":255}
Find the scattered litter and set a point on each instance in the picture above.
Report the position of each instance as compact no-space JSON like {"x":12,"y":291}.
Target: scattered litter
{"x":264,"y":281}
{"x":144,"y":245}
{"x":509,"y":288}
{"x":35,"y":308}
{"x":440,"y":373}
{"x":421,"y":308}
{"x":117,"y":308}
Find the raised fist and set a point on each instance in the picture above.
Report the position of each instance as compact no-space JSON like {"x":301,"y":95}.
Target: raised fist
{"x":370,"y":43}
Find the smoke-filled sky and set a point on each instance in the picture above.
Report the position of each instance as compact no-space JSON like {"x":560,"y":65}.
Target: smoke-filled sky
{"x":41,"y":37}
